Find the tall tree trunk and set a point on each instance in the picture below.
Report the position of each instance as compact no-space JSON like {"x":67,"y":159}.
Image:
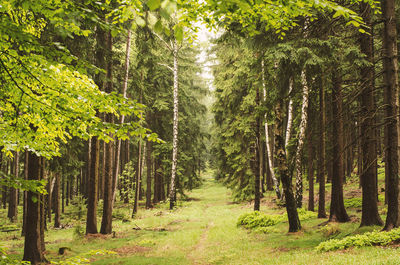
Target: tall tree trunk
{"x":57,"y":212}
{"x":26,"y":171}
{"x":370,"y":214}
{"x":267,"y":143}
{"x":283,"y":170}
{"x":124,"y":93}
{"x":32,"y":248}
{"x":257,"y":159}
{"x":106,"y":221}
{"x":137,"y":184}
{"x":172,"y":191}
{"x":337,"y":212}
{"x":302,"y":135}
{"x":310,"y":149}
{"x":391,"y":84}
{"x":13,"y":196}
{"x":91,"y":217}
{"x":290,"y":114}
{"x":149,"y":175}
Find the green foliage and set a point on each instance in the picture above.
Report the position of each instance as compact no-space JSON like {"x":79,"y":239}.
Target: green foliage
{"x":257,"y":219}
{"x":375,"y":238}
{"x":79,"y":231}
{"x":37,"y":186}
{"x":330,"y":229}
{"x":261,"y":221}
{"x":353,"y":202}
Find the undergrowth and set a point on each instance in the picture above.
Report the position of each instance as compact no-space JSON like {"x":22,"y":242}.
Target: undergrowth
{"x":262,"y":222}
{"x":375,"y":238}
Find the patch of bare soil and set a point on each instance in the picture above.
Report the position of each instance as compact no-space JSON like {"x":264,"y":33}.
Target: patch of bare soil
{"x":129,"y":250}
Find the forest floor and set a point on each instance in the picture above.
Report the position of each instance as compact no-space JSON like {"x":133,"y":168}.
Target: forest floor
{"x":202,"y":230}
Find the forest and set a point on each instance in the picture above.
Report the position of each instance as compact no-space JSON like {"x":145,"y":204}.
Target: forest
{"x":199,"y":132}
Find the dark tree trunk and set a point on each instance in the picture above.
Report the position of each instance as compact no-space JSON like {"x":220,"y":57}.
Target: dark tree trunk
{"x":337,"y":212}
{"x":310,"y":168}
{"x":257,"y":159}
{"x":321,"y":152}
{"x":13,"y":196}
{"x":137,"y":183}
{"x":57,"y":212}
{"x":32,"y":249}
{"x":283,"y":171}
{"x":62,"y":194}
{"x":370,"y":214}
{"x":149,"y":175}
{"x":91,"y":220}
{"x":156,"y":187}
{"x":26,"y":171}
{"x":42,"y":205}
{"x":390,"y":66}
{"x":106,"y":222}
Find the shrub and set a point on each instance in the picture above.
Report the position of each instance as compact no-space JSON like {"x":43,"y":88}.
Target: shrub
{"x":375,"y":238}
{"x":353,"y":203}
{"x":330,"y":229}
{"x":256,"y":219}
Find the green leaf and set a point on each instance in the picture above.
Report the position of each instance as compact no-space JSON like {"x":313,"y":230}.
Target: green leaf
{"x":153,"y":4}
{"x":179,"y":33}
{"x":158,"y":27}
{"x":140,"y":21}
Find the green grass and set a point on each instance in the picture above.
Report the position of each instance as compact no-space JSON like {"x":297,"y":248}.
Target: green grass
{"x":203,"y":230}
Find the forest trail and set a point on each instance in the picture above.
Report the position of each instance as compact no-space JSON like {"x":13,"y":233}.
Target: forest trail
{"x":202,"y":230}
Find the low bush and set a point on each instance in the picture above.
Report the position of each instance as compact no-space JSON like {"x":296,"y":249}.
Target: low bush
{"x":259,"y":220}
{"x":375,"y":238}
{"x":353,"y":203}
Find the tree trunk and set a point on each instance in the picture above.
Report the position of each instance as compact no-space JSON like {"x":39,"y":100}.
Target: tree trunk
{"x":370,"y":214}
{"x":32,"y":248}
{"x":257,"y":159}
{"x":291,"y":209}
{"x":310,"y":149}
{"x":302,"y":135}
{"x":26,"y":171}
{"x":106,"y":221}
{"x":290,"y":114}
{"x":91,"y":217}
{"x":57,"y":215}
{"x":137,"y":184}
{"x":149,"y":175}
{"x":124,"y":93}
{"x":391,"y":84}
{"x":172,"y":191}
{"x":267,"y":143}
{"x":13,"y":196}
{"x":337,"y":212}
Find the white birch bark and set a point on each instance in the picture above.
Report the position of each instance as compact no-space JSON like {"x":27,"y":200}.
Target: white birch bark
{"x":268,"y":149}
{"x":302,"y":134}
{"x":124,"y":92}
{"x":172,"y":193}
{"x":290,"y":114}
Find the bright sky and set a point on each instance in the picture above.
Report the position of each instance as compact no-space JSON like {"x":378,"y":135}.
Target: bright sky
{"x":204,"y":38}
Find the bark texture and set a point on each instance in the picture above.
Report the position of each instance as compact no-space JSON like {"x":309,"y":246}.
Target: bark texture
{"x":301,"y":138}
{"x":283,"y":170}
{"x":337,"y":212}
{"x":370,"y":214}
{"x":172,"y":191}
{"x":391,"y":84}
